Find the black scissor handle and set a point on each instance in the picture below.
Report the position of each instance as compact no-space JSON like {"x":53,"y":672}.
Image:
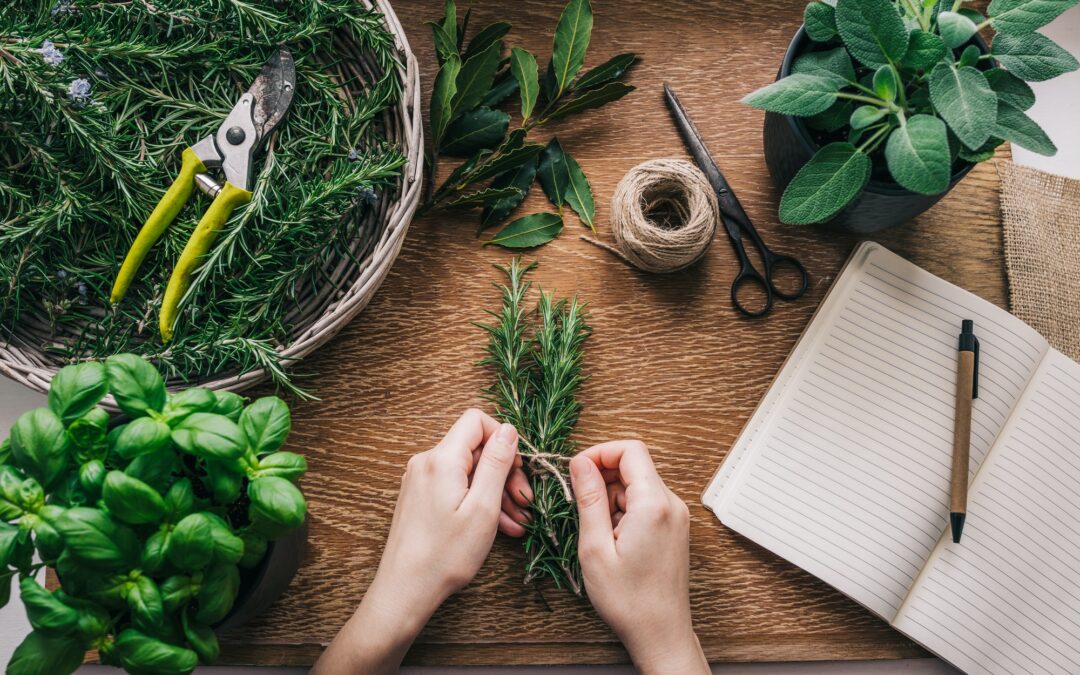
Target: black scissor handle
{"x":772,"y":262}
{"x":749,"y":277}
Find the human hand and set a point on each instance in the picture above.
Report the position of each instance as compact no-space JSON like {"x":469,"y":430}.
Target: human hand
{"x":453,"y":499}
{"x":634,"y":548}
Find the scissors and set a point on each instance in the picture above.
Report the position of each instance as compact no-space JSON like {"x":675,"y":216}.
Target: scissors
{"x":232,"y":149}
{"x":738,"y":225}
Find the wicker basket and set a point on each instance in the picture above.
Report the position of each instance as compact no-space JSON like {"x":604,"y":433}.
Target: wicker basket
{"x":355,"y":278}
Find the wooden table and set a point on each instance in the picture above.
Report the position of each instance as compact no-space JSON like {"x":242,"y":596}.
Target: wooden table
{"x":670,"y":362}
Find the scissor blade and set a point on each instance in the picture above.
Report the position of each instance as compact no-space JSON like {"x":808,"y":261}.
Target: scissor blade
{"x":273,"y":91}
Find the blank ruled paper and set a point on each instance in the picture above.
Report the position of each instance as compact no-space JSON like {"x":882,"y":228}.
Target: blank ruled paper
{"x":844,"y":469}
{"x":1006,"y":599}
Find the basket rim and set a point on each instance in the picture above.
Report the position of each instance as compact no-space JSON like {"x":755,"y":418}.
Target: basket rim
{"x":28,"y":366}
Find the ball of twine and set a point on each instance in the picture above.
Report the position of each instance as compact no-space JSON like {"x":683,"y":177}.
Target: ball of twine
{"x":663,"y":215}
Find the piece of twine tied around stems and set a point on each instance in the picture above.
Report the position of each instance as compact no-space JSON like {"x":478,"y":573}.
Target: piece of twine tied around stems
{"x":663,"y":216}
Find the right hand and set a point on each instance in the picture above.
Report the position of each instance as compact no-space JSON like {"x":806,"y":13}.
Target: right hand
{"x":634,"y":548}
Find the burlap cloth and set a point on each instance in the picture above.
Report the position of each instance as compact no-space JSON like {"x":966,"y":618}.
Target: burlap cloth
{"x":1041,"y":217}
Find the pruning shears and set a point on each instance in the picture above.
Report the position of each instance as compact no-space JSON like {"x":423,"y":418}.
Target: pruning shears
{"x":232,"y":149}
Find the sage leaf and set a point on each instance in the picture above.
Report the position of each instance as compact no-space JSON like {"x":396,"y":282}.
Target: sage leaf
{"x":593,"y":98}
{"x":477,"y":129}
{"x":830,"y":63}
{"x":140,"y":653}
{"x":982,"y":154}
{"x":529,"y":231}
{"x":799,"y":94}
{"x":1014,"y":125}
{"x":137,"y":386}
{"x":76,"y":389}
{"x":523,"y":66}
{"x":834,"y":118}
{"x":483,"y":197}
{"x":1025,"y":16}
{"x":832,"y":178}
{"x":865,"y":115}
{"x":39,"y":653}
{"x":956,"y":29}
{"x":917,"y":154}
{"x":609,"y":70}
{"x":442,"y":96}
{"x":964,"y":99}
{"x":970,"y":56}
{"x":1010,"y":88}
{"x":504,"y":85}
{"x":572,"y":35}
{"x":521,"y":178}
{"x":565,"y":183}
{"x":872,"y":30}
{"x":482,"y":41}
{"x":475,"y":78}
{"x":507,"y":160}
{"x":924,"y":50}
{"x":820,"y":21}
{"x":1033,"y":56}
{"x":885,"y":83}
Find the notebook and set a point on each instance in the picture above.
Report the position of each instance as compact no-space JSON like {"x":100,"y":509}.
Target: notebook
{"x":843,"y":470}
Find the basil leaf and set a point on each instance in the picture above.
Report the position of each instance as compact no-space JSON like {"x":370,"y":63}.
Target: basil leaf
{"x":1013,"y":125}
{"x":572,"y":35}
{"x":201,"y":639}
{"x":96,"y":540}
{"x":266,"y":424}
{"x":76,"y":389}
{"x":565,"y":183}
{"x":275,"y":502}
{"x":522,"y":179}
{"x":529,"y":231}
{"x":183,"y":403}
{"x":10,"y":502}
{"x":477,"y":129}
{"x":442,"y":95}
{"x":39,"y":445}
{"x":89,"y":431}
{"x":525,"y":71}
{"x":288,"y":465}
{"x":254,"y":549}
{"x":132,"y":500}
{"x":964,"y":99}
{"x":192,"y":544}
{"x":872,"y":30}
{"x":487,"y":36}
{"x":179,"y":500}
{"x":47,"y":539}
{"x":228,"y":548}
{"x":475,"y":78}
{"x":1032,"y":57}
{"x":1025,"y":16}
{"x":210,"y":436}
{"x":217,"y":593}
{"x":139,"y":653}
{"x":144,"y":601}
{"x":820,"y":21}
{"x":1010,"y":88}
{"x":224,"y":483}
{"x":609,"y":70}
{"x":832,"y":178}
{"x":135,"y":384}
{"x":956,"y":29}
{"x":924,"y":50}
{"x":593,"y":98}
{"x":155,"y":469}
{"x":175,"y":592}
{"x":918,"y":157}
{"x":798,"y":94}
{"x":155,"y":552}
{"x":142,"y":436}
{"x":92,"y":478}
{"x":40,"y":654}
{"x":44,"y":611}
{"x":228,"y":404}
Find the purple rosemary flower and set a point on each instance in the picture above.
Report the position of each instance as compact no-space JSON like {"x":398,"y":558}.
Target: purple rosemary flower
{"x":368,"y":196}
{"x":62,"y":7}
{"x":50,"y":54}
{"x":79,"y":90}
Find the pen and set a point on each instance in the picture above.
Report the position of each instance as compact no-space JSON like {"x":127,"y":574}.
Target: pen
{"x":967,"y":389}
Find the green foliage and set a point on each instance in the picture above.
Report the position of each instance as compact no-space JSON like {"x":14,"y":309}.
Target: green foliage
{"x":146,"y":523}
{"x":899,"y":86}
{"x":537,"y":359}
{"x":80,"y":174}
{"x":466,"y":121}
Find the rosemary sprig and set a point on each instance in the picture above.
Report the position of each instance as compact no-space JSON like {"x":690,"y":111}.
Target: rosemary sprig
{"x":81,"y":170}
{"x":537,"y":358}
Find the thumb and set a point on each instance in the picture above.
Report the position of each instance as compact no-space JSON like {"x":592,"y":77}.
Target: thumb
{"x":594,"y":514}
{"x":493,"y":466}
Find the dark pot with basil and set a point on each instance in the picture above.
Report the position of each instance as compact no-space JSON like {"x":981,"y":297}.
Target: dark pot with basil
{"x":178,"y":519}
{"x":881,"y":107}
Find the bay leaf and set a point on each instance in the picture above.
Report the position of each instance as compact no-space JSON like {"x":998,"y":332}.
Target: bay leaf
{"x":529,"y":231}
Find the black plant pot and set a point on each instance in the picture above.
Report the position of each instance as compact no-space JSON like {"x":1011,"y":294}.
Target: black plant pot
{"x":264,"y":583}
{"x":789,"y":145}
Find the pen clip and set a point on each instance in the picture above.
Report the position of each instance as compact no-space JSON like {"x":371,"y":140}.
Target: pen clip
{"x":975,"y":376}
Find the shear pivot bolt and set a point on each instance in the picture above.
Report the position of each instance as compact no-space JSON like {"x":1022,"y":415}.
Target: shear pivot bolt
{"x":235,"y":135}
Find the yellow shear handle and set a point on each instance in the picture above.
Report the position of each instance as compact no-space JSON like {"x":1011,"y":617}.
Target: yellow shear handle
{"x":164,"y":213}
{"x":200,"y":242}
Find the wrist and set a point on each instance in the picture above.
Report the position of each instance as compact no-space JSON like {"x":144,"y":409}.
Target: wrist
{"x":673,"y":650}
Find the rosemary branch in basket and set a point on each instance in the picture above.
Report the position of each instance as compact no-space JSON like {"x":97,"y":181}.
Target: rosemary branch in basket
{"x":97,"y":100}
{"x":537,"y":358}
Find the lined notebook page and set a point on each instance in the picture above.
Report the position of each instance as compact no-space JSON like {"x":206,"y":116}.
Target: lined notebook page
{"x":1006,"y":599}
{"x":846,"y":474}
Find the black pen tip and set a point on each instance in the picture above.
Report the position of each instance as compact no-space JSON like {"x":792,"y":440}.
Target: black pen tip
{"x":957,"y":520}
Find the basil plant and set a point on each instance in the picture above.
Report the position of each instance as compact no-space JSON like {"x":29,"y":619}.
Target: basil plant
{"x":148,"y":521}
{"x":901,"y":86}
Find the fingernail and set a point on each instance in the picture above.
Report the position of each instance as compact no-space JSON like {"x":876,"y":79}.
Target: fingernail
{"x":506,"y":434}
{"x":525,"y":517}
{"x":579,"y":467}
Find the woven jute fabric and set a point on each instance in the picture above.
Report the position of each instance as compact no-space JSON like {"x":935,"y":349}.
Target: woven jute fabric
{"x":1041,"y":216}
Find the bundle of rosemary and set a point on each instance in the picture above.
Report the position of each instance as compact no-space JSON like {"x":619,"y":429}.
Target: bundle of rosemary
{"x":537,"y":358}
{"x":97,"y":100}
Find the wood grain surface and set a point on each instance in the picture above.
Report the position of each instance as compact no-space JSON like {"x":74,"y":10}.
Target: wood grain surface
{"x":670,"y":362}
